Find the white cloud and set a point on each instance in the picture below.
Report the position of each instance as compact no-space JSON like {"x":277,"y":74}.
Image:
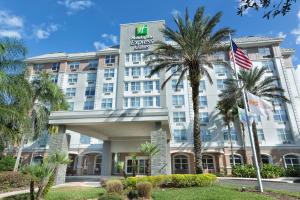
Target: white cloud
{"x":10,"y":33}
{"x":296,"y":31}
{"x":175,"y":12}
{"x":75,"y":5}
{"x":100,"y":45}
{"x":10,"y":25}
{"x":110,"y":37}
{"x":44,"y":31}
{"x":281,"y":35}
{"x":107,"y":40}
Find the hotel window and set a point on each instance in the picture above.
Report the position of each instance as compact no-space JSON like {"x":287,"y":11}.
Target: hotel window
{"x":135,"y":86}
{"x":148,"y":85}
{"x":205,"y":135}
{"x":110,"y":59}
{"x":127,"y":57}
{"x":148,"y":101}
{"x":260,"y":135}
{"x":55,"y":67}
{"x":135,"y":102}
{"x":202,"y":101}
{"x":180,"y":85}
{"x":220,"y":55}
{"x":256,"y":118}
{"x":147,"y":71}
{"x":178,"y":100}
{"x":276,"y":101}
{"x":221,"y":84}
{"x":91,"y":77}
{"x":127,"y":71}
{"x":85,"y":139}
{"x":265,"y":51}
{"x":106,"y":103}
{"x":204,"y":117}
{"x":136,"y":57}
{"x":178,"y":116}
{"x":109,"y":73}
{"x":237,"y":159}
{"x":93,"y":65}
{"x":88,"y":105}
{"x":268,"y":65}
{"x":202,"y":86}
{"x":126,"y":86}
{"x":72,"y":78}
{"x":126,"y":102}
{"x":54,"y":78}
{"x":38,"y":67}
{"x":71,"y":106}
{"x":70,"y":92}
{"x":280,"y":116}
{"x":220,"y":70}
{"x":74,"y":66}
{"x":284,"y":136}
{"x":157,"y":85}
{"x":291,"y":161}
{"x":108,"y":87}
{"x":158,"y":101}
{"x":174,"y":69}
{"x":227,"y":137}
{"x":180,"y":135}
{"x":90,"y":91}
{"x":135,"y":71}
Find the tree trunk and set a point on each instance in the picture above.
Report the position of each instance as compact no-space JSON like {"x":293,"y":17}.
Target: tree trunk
{"x":196,"y":131}
{"x":31,"y":190}
{"x":231,"y":146}
{"x":148,"y":166}
{"x":256,"y":142}
{"x":244,"y":143}
{"x":16,"y":167}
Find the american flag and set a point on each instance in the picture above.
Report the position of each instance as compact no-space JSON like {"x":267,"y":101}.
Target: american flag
{"x":239,"y":57}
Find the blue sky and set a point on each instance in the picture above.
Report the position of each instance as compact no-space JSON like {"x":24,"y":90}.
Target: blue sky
{"x":84,"y":25}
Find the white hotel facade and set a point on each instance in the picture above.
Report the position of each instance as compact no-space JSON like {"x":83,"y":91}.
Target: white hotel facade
{"x":114,"y":107}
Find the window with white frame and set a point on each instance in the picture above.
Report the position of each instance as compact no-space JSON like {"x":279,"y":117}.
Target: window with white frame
{"x":88,"y":105}
{"x":220,"y":70}
{"x":292,"y":161}
{"x":221,"y":84}
{"x":284,"y":135}
{"x":126,"y":86}
{"x":72,"y":78}
{"x":70,"y":92}
{"x":147,"y":71}
{"x":148,"y":85}
{"x":179,"y":86}
{"x":233,"y":135}
{"x":108,"y":87}
{"x":280,"y":116}
{"x":93,"y":65}
{"x":157,"y":101}
{"x":268,"y":64}
{"x":106,"y":103}
{"x":181,"y":164}
{"x":140,"y":165}
{"x":90,"y":91}
{"x":85,"y":139}
{"x":179,"y":117}
{"x":180,"y":135}
{"x":126,"y":102}
{"x":135,"y":71}
{"x":110,"y":59}
{"x":260,"y":135}
{"x":91,"y":77}
{"x":264,"y":51}
{"x":127,"y":71}
{"x":208,"y":162}
{"x":257,"y":118}
{"x":202,"y":101}
{"x":54,"y":78}
{"x":109,"y":73}
{"x":204,"y":118}
{"x":175,"y":69}
{"x":157,"y":85}
{"x":178,"y":100}
{"x":205,"y":135}
{"x":135,"y":86}
{"x":148,"y":101}
{"x":38,"y":67}
{"x":220,"y":55}
{"x":55,"y":67}
{"x":71,"y":106}
{"x":136,"y":57}
{"x":238,"y":160}
{"x":135,"y":102}
{"x":127,"y":57}
{"x":74,"y":65}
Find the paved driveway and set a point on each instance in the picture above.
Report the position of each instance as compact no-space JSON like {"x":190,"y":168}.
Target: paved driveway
{"x":291,"y":187}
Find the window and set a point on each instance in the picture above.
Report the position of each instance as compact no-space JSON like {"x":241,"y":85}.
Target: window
{"x":135,"y":102}
{"x":148,"y":101}
{"x":157,"y":85}
{"x":71,"y":106}
{"x":135,"y":86}
{"x":127,"y":57}
{"x":127,"y":71}
{"x":208,"y":162}
{"x":109,"y":73}
{"x":260,"y":135}
{"x":93,"y":65}
{"x":85,"y":139}
{"x":174,"y":69}
{"x":88,"y":105}
{"x":280,"y":116}
{"x":72,"y":78}
{"x":181,"y":164}
{"x":202,"y":86}
{"x":265,"y":159}
{"x":126,"y":102}
{"x":74,"y":66}
{"x":54,"y":78}
{"x":38,"y":67}
{"x":90,"y":91}
{"x":178,"y":100}
{"x":108,"y":87}
{"x":135,"y":71}
{"x":139,"y":165}
{"x":55,"y":67}
{"x":157,"y":101}
{"x":136,"y":57}
{"x":110,"y":59}
{"x":233,"y":136}
{"x":220,"y":55}
{"x":202,"y":101}
{"x":265,"y":51}
{"x":180,"y":85}
{"x":91,"y":77}
{"x":205,"y":135}
{"x":126,"y":86}
{"x":220,"y":70}
{"x":256,"y":118}
{"x":38,"y":160}
{"x":268,"y":65}
{"x":220,"y":84}
{"x":291,"y":161}
{"x":147,"y":71}
{"x":284,"y":135}
{"x":237,"y":160}
{"x":148,"y":85}
{"x":106,"y":103}
{"x":180,"y":135}
{"x":70,"y":92}
{"x":204,"y":117}
{"x":179,"y":116}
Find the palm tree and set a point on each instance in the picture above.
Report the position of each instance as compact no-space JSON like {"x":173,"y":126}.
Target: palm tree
{"x":255,"y":82}
{"x":149,"y":150}
{"x":195,"y":41}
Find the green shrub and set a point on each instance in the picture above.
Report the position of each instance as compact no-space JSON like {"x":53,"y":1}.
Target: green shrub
{"x":111,"y":196}
{"x":7,"y":163}
{"x":292,"y":172}
{"x":12,"y":180}
{"x":144,"y":189}
{"x":271,"y":171}
{"x":114,"y":186}
{"x":132,"y":194}
{"x":246,"y":171}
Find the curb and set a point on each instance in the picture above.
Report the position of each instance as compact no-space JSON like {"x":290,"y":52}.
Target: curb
{"x":264,"y":180}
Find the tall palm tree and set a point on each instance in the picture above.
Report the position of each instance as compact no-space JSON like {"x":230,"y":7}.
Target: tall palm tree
{"x":255,"y":82}
{"x":195,"y":41}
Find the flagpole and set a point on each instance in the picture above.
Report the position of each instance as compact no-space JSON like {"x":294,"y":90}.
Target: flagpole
{"x":260,"y":186}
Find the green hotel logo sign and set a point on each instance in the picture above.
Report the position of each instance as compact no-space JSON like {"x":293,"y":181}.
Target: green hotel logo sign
{"x":141,"y":30}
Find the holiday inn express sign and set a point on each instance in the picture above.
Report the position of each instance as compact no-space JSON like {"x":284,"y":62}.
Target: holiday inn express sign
{"x":141,"y":40}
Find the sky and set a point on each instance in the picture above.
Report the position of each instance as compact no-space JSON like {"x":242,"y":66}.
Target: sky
{"x":48,"y":26}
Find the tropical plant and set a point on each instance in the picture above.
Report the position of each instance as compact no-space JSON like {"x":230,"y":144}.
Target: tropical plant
{"x":195,"y":42}
{"x":149,"y":150}
{"x":134,"y":163}
{"x":255,"y":82}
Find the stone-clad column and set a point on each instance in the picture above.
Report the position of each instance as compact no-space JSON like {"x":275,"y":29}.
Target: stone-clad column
{"x":59,"y":143}
{"x":106,"y":159}
{"x":79,"y":166}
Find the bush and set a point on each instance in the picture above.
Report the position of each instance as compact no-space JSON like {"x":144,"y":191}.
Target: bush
{"x":111,"y":196}
{"x":246,"y":171}
{"x":7,"y":163}
{"x":114,"y":186}
{"x":292,"y":172}
{"x":271,"y":171}
{"x":144,"y":189}
{"x":13,"y":180}
{"x":132,"y":194}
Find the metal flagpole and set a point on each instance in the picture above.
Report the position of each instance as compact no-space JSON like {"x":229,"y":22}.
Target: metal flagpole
{"x":248,"y":122}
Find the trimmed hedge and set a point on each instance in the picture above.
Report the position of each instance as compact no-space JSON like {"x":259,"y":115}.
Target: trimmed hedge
{"x":271,"y":171}
{"x":7,"y":163}
{"x":292,"y":172}
{"x":246,"y":171}
{"x":13,"y":180}
{"x":173,"y":180}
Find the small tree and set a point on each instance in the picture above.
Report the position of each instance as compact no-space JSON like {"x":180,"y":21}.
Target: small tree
{"x":149,"y":150}
{"x":134,"y":164}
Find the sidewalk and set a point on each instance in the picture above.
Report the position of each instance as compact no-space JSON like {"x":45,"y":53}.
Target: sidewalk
{"x":278,"y":180}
